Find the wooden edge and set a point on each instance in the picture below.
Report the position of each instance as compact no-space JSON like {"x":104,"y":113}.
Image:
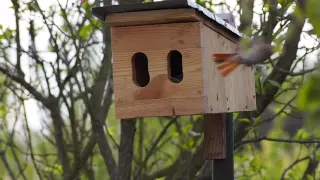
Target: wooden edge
{"x":152,"y":17}
{"x":166,"y":16}
{"x":219,"y":29}
{"x":214,"y":136}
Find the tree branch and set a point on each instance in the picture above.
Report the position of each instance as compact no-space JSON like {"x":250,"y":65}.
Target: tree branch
{"x":154,"y":145}
{"x":128,"y":129}
{"x":12,"y":74}
{"x":6,"y":164}
{"x":246,"y":16}
{"x":16,"y":7}
{"x":191,"y":161}
{"x":58,"y":133}
{"x":84,"y":155}
{"x":292,"y":165}
{"x":310,"y":141}
{"x":96,"y":107}
{"x":30,"y":142}
{"x":285,"y":61}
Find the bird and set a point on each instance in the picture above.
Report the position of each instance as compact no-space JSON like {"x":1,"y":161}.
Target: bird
{"x":257,"y":52}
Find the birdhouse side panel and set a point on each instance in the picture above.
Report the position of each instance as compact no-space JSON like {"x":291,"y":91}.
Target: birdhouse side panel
{"x":235,"y":92}
{"x":157,"y":70}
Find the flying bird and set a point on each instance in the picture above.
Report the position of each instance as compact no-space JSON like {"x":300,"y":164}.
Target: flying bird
{"x":257,"y":52}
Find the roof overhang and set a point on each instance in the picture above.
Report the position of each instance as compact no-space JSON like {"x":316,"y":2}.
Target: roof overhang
{"x":103,"y":12}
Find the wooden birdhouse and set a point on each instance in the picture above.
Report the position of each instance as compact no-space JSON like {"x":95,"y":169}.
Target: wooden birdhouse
{"x":162,"y":61}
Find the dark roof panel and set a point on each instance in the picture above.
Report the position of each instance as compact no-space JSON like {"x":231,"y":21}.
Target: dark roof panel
{"x":101,"y":12}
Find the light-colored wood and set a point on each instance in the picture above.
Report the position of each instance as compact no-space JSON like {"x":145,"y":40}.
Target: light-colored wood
{"x":156,"y":37}
{"x":217,"y":28}
{"x":202,"y":90}
{"x":137,"y":100}
{"x":159,"y":86}
{"x":152,"y":17}
{"x":160,"y":107}
{"x":233,"y":93}
{"x":165,"y":16}
{"x":214,"y":136}
{"x":160,"y":97}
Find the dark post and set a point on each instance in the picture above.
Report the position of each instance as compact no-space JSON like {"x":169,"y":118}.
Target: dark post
{"x":218,"y":137}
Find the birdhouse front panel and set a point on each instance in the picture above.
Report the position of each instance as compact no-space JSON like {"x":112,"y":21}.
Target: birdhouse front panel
{"x":158,"y":70}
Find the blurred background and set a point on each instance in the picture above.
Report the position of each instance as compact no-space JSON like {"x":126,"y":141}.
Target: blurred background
{"x":57,"y":118}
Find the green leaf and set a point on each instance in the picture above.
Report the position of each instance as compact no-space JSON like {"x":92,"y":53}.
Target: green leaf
{"x":313,"y":14}
{"x":257,"y":120}
{"x":187,"y":128}
{"x":245,"y":120}
{"x":308,"y":98}
{"x":282,"y":2}
{"x":3,"y":110}
{"x":174,"y":134}
{"x":318,"y":155}
{"x":85,"y":30}
{"x":111,"y":131}
{"x":235,"y":115}
{"x":189,"y":144}
{"x":309,"y":177}
{"x":302,"y":134}
{"x":51,"y":48}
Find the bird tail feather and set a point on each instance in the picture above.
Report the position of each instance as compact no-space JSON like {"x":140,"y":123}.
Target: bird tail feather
{"x":222,"y":56}
{"x":227,"y":67}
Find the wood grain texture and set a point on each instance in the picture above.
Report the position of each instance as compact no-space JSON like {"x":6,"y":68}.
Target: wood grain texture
{"x":214,"y":136}
{"x":152,"y":17}
{"x":233,"y":93}
{"x":156,"y":37}
{"x":202,"y":90}
{"x":159,"y":107}
{"x":217,"y":28}
{"x":165,"y":16}
{"x":160,"y":97}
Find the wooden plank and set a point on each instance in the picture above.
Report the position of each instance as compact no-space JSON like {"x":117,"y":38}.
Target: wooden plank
{"x":156,"y":37}
{"x":217,"y":28}
{"x":166,"y":16}
{"x":159,"y":83}
{"x":159,"y":107}
{"x":152,"y":17}
{"x":233,"y":93}
{"x":214,"y":136}
{"x":185,"y":97}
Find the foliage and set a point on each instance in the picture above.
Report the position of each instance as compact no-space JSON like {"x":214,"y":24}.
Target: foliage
{"x":314,"y":15}
{"x":59,"y":56}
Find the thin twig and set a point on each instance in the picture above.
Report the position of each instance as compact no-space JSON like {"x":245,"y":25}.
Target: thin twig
{"x":154,"y":145}
{"x":30,"y":141}
{"x":310,"y":141}
{"x":292,"y":165}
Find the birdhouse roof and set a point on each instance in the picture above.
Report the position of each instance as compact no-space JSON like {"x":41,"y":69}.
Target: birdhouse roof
{"x":102,"y":12}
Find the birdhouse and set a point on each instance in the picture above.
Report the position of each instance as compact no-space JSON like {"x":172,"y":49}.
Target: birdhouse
{"x":162,"y":61}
